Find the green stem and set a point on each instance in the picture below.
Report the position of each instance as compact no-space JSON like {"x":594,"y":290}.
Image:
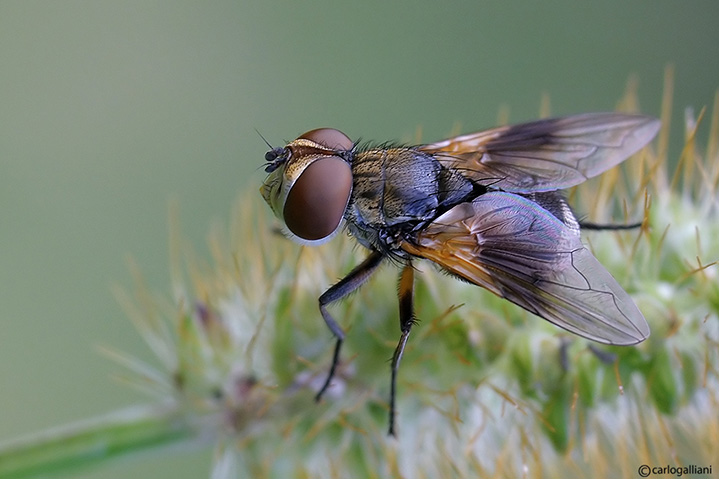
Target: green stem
{"x":93,"y":441}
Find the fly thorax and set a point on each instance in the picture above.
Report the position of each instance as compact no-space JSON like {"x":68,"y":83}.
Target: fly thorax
{"x":395,"y":185}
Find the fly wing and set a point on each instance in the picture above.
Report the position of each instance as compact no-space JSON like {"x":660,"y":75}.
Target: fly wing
{"x":521,"y":252}
{"x":547,"y":154}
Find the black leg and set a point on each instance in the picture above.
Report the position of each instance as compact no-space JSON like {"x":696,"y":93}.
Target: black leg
{"x":406,"y":320}
{"x":345,"y":286}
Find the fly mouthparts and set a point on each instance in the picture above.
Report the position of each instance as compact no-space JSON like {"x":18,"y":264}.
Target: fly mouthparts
{"x":275,"y":157}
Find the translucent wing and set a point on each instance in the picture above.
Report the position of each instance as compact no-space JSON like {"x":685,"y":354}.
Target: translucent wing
{"x":547,"y":154}
{"x":521,"y":252}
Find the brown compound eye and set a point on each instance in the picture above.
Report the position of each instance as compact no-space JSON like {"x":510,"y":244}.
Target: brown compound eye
{"x":317,"y":201}
{"x":330,"y":138}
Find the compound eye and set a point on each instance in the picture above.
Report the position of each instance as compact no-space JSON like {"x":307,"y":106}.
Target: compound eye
{"x":317,"y":200}
{"x":330,"y":138}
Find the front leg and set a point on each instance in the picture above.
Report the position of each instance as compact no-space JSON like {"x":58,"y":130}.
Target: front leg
{"x":345,"y":286}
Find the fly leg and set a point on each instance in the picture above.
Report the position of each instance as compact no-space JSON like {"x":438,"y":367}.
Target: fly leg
{"x":406,"y":320}
{"x":345,"y":286}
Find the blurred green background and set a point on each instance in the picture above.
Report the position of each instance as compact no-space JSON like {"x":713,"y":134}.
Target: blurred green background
{"x":109,"y":109}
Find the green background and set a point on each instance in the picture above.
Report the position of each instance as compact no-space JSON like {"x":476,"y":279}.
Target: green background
{"x":110,"y":109}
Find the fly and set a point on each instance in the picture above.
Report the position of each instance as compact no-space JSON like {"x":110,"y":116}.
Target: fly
{"x":484,"y":206}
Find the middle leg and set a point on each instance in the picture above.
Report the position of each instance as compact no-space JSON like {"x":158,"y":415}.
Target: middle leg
{"x":406,"y":320}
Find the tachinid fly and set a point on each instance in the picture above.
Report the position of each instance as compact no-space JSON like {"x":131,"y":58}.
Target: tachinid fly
{"x":482,"y":206}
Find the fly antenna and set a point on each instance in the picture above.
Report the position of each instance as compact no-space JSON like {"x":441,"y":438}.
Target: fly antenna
{"x":263,"y":139}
